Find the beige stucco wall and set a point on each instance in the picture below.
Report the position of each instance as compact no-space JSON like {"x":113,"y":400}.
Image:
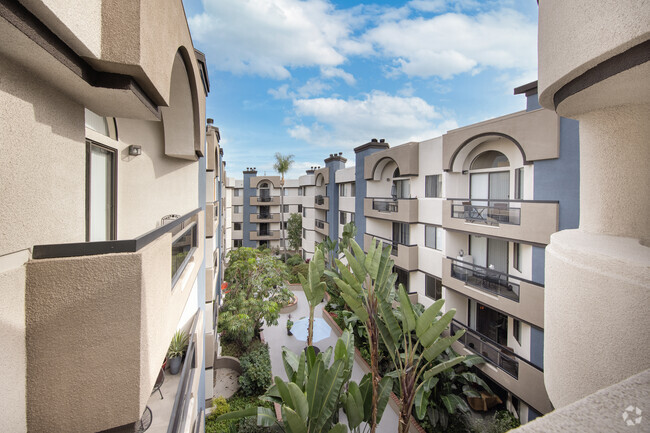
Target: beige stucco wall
{"x":43,"y":155}
{"x":151,"y":185}
{"x":12,"y":335}
{"x":536,"y":131}
{"x":588,"y":33}
{"x":407,"y":211}
{"x":178,"y":118}
{"x":406,"y":156}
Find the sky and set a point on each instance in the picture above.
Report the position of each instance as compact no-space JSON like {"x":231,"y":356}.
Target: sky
{"x":315,"y":77}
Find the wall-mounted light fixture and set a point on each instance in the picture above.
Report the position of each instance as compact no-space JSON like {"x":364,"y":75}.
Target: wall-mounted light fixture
{"x":464,"y":171}
{"x":135,"y":150}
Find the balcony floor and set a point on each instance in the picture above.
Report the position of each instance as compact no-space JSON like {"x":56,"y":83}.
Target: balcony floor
{"x":162,"y":409}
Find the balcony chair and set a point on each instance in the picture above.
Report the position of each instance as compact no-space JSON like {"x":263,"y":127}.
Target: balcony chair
{"x":145,"y":421}
{"x":159,"y":382}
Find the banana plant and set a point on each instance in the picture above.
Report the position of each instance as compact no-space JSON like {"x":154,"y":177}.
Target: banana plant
{"x":309,"y":401}
{"x":314,"y":288}
{"x":357,"y":401}
{"x":416,"y":356}
{"x":365,"y":284}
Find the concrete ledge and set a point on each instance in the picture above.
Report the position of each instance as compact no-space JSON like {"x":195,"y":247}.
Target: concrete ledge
{"x":290,"y":307}
{"x":228,"y":362}
{"x":602,"y":411}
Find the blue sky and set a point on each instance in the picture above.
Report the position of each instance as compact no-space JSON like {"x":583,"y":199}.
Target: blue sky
{"x":315,"y":77}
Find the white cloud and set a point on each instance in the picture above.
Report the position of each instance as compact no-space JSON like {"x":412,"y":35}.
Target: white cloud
{"x":266,"y":37}
{"x":313,"y":87}
{"x":345,"y":123}
{"x":330,"y":72}
{"x":453,"y":43}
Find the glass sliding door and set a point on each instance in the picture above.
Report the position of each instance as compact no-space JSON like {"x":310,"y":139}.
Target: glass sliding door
{"x":100,"y":192}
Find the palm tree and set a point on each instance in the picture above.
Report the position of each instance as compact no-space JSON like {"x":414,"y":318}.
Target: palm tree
{"x":282,"y":165}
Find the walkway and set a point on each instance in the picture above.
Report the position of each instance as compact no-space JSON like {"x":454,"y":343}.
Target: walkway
{"x":277,"y":337}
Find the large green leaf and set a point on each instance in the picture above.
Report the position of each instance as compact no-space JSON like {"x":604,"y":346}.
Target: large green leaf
{"x":348,"y":277}
{"x":353,"y":405}
{"x":372,"y":260}
{"x":432,"y":352}
{"x":301,"y":373}
{"x":365,"y":387}
{"x":290,"y":361}
{"x":358,"y":252}
{"x":266,"y":417}
{"x":327,"y":355}
{"x":357,"y":268}
{"x":384,"y":270}
{"x":388,"y":317}
{"x":339,"y":428}
{"x":433,"y":332}
{"x":292,"y":421}
{"x":407,"y":310}
{"x":473,"y":378}
{"x":238,"y":414}
{"x":421,"y":401}
{"x":328,"y":392}
{"x":283,"y":389}
{"x":427,"y":318}
{"x":442,"y":367}
{"x":316,"y":268}
{"x":453,"y":402}
{"x":314,"y":381}
{"x":387,"y":338}
{"x":298,"y":401}
{"x":383,"y":394}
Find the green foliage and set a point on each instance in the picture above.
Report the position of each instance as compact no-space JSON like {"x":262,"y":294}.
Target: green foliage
{"x":178,"y":345}
{"x":301,"y":269}
{"x":294,"y":231}
{"x":220,"y":406}
{"x":501,"y":422}
{"x":294,"y":260}
{"x":256,"y":292}
{"x":349,"y":232}
{"x":237,"y":402}
{"x":256,"y":370}
{"x":314,"y":288}
{"x":289,"y":324}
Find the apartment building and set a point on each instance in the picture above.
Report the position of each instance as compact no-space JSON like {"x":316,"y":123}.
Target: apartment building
{"x":468,"y":217}
{"x":111,"y":215}
{"x":259,"y":212}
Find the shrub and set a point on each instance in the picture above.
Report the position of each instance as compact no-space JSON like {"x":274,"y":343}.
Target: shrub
{"x":294,"y":260}
{"x":256,"y":370}
{"x":302,"y":268}
{"x":501,"y":422}
{"x":220,"y":407}
{"x":249,"y":425}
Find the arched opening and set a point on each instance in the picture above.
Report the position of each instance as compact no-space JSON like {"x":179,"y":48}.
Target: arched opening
{"x":179,"y":117}
{"x":490,"y":159}
{"x":264,"y":192}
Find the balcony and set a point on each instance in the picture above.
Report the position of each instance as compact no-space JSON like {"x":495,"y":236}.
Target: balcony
{"x":401,"y":210}
{"x":527,"y":221}
{"x":322,"y":202}
{"x":265,"y":218}
{"x":322,"y":227}
{"x":93,"y":307}
{"x":404,"y":256}
{"x":261,"y":235}
{"x":265,"y":200}
{"x":515,"y":296}
{"x":505,"y":367}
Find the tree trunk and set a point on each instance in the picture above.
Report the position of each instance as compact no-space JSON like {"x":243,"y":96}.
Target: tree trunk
{"x":283,"y":243}
{"x":310,"y":330}
{"x":373,"y":336}
{"x":408,"y":394}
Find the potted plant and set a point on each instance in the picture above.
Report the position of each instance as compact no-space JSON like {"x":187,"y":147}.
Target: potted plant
{"x":289,"y":325}
{"x":177,"y":349}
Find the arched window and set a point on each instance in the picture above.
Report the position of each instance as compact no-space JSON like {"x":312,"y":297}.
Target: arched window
{"x":490,"y":159}
{"x":264,"y":185}
{"x":396,"y":173}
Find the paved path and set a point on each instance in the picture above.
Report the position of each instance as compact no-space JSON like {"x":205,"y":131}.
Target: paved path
{"x":277,"y":337}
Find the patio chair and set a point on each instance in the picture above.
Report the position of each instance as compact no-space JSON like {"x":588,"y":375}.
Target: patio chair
{"x":159,"y":382}
{"x":145,"y":421}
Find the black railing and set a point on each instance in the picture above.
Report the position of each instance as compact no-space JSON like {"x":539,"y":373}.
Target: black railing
{"x":264,"y":233}
{"x":384,"y":205}
{"x":319,"y":200}
{"x":264,"y":216}
{"x":490,"y":280}
{"x":490,"y":350}
{"x":490,"y":212}
{"x":184,"y":391}
{"x":263,"y":199}
{"x":320,"y":224}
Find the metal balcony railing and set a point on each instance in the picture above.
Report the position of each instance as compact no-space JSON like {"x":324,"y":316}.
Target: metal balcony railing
{"x":490,"y":212}
{"x":263,"y":199}
{"x":264,"y":216}
{"x":384,"y":205}
{"x":320,"y":224}
{"x":489,"y":280}
{"x":319,"y":200}
{"x":491,"y":351}
{"x":180,"y":410}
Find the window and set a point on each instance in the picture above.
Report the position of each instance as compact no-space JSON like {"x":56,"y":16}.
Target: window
{"x":351,"y":217}
{"x":516,"y":330}
{"x":237,"y":226}
{"x":100,"y":192}
{"x":353,"y":189}
{"x":433,"y":287}
{"x":433,"y":237}
{"x":236,"y":243}
{"x":304,"y":212}
{"x":516,"y":256}
{"x":304,"y":234}
{"x":402,"y":278}
{"x":342,"y":217}
{"x":237,"y":208}
{"x":300,"y":191}
{"x":182,"y":246}
{"x":299,"y":208}
{"x":401,"y":189}
{"x":433,"y":185}
{"x":489,"y":159}
{"x":285,"y":225}
{"x":236,"y":192}
{"x":342,"y":190}
{"x":285,"y":191}
{"x":401,"y":233}
{"x":519,"y":184}
{"x":285,"y":208}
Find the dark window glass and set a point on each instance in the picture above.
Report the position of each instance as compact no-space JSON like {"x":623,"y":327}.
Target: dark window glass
{"x":402,"y":278}
{"x":181,"y":250}
{"x":516,"y":330}
{"x":237,"y":226}
{"x":433,"y":287}
{"x":433,"y":186}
